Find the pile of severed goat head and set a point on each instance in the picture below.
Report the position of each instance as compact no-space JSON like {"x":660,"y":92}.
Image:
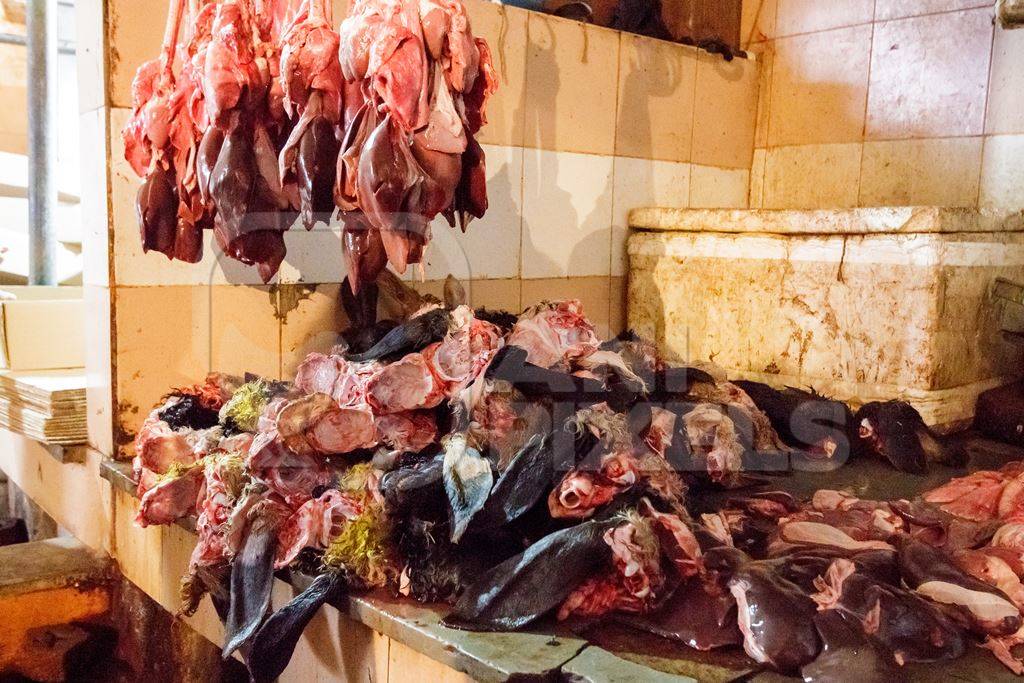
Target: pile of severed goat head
{"x":273,"y":117}
{"x":520,"y":470}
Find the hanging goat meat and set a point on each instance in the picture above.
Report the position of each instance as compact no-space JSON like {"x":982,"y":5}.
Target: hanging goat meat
{"x":312,"y":82}
{"x":190,"y":115}
{"x":408,"y":153}
{"x":249,"y":200}
{"x":148,"y":141}
{"x":274,"y":116}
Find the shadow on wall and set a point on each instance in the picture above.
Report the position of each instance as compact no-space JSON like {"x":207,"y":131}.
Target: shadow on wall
{"x":649,"y":77}
{"x":567,"y":197}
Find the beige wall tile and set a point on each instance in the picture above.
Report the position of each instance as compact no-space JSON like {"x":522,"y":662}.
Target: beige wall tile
{"x":136,"y":550}
{"x":406,"y":665}
{"x":504,"y":29}
{"x":725,"y":112}
{"x":162,"y":340}
{"x":592,"y":292}
{"x":639,"y":183}
{"x":617,"y":305}
{"x":567,"y":214}
{"x":757,"y":21}
{"x":90,"y":45}
{"x":502,"y":295}
{"x":924,"y":83}
{"x":570,"y":78}
{"x":1002,"y":172}
{"x":311,"y":317}
{"x":655,"y":99}
{"x":812,"y":176}
{"x":819,"y":87}
{"x":95,"y":221}
{"x":807,"y":16}
{"x":940,"y":172}
{"x":757,"y":172}
{"x":335,"y":648}
{"x":490,"y":247}
{"x":718,"y":188}
{"x":766,"y":59}
{"x":134,"y":268}
{"x":173,"y":336}
{"x":1006,"y":87}
{"x":98,"y":367}
{"x":13,"y":80}
{"x":340,"y":9}
{"x":244,"y":330}
{"x":135,"y":30}
{"x":896,"y":9}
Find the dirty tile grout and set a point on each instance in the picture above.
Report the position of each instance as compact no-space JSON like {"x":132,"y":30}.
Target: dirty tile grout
{"x":874,"y":20}
{"x":984,"y":117}
{"x":867,"y":104}
{"x":615,"y":149}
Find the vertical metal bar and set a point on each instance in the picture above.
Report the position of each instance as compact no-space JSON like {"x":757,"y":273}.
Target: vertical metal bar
{"x":41,"y":20}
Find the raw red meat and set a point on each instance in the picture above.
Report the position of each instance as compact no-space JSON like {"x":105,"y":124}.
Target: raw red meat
{"x":340,"y":379}
{"x":465,"y":352}
{"x":579,"y":494}
{"x":171,"y":498}
{"x":410,"y":431}
{"x":314,"y":524}
{"x":631,"y":586}
{"x":407,"y":384}
{"x":975,"y":497}
{"x":272,"y":111}
{"x":554,"y":334}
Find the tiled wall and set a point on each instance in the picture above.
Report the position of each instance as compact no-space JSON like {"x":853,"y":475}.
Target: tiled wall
{"x":587,"y":124}
{"x":883,"y":102}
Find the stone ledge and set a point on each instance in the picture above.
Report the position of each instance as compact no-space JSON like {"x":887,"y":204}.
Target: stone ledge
{"x":51,"y":564}
{"x":875,"y":220}
{"x":484,"y":656}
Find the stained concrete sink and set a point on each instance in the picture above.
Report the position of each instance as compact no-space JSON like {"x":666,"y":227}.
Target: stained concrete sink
{"x":862,"y":304}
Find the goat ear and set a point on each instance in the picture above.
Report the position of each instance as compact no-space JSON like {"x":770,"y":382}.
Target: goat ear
{"x":454,"y":293}
{"x":274,"y":644}
{"x":398,"y":293}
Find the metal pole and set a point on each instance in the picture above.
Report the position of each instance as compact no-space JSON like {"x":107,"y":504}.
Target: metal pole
{"x":41,"y":20}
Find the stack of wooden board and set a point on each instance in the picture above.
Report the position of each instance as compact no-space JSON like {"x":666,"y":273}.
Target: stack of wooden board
{"x":45,"y":405}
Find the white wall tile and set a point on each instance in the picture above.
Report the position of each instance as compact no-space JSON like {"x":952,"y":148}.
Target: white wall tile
{"x":95,"y":221}
{"x":313,"y":255}
{"x":757,"y":174}
{"x":935,"y":172}
{"x":1002,"y":172}
{"x":718,"y":188}
{"x":567,"y":214}
{"x":89,"y":41}
{"x":489,"y":249}
{"x":134,"y":268}
{"x":98,"y":386}
{"x":642,"y":183}
{"x":812,"y":176}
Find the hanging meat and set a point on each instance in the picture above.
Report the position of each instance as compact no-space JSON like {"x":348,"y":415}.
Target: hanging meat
{"x":408,"y":152}
{"x":312,"y":82}
{"x":154,"y":123}
{"x":274,"y":116}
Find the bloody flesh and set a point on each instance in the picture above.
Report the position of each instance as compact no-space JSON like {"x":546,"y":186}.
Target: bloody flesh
{"x":275,"y":116}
